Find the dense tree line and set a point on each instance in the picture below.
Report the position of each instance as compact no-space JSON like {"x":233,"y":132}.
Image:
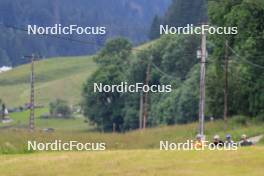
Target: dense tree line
{"x":174,"y":62}
{"x":180,"y":13}
{"x":117,"y":63}
{"x":246,"y":59}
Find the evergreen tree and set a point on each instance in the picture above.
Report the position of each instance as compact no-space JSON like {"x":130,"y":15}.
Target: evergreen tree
{"x":4,"y":59}
{"x":154,"y":29}
{"x":181,"y":13}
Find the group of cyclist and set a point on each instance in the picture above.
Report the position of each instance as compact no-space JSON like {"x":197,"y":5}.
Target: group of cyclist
{"x":217,"y":141}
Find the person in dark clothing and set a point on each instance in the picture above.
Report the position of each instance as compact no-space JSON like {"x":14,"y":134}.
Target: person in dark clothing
{"x":245,"y":141}
{"x":217,"y":141}
{"x":3,"y":111}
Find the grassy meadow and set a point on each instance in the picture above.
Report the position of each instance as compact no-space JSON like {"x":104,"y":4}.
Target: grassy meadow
{"x":14,"y":140}
{"x":243,"y":162}
{"x":21,"y":120}
{"x":131,"y":153}
{"x":55,"y":78}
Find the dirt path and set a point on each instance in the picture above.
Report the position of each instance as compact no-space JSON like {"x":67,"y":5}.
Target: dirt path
{"x":256,"y":139}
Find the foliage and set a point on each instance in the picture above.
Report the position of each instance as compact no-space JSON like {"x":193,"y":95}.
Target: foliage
{"x":154,"y":28}
{"x":240,"y":120}
{"x":246,"y":58}
{"x":60,"y":109}
{"x":179,"y":14}
{"x":4,"y":59}
{"x":117,"y":64}
{"x":183,"y":12}
{"x":130,"y":18}
{"x":170,"y":57}
{"x":105,"y":109}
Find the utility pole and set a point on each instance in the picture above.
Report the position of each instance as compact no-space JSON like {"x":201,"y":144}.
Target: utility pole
{"x":202,"y":85}
{"x":226,"y":85}
{"x":141,"y":106}
{"x":146,"y":102}
{"x":32,"y":96}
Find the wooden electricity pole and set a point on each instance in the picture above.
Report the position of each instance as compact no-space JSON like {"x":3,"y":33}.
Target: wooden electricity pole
{"x":146,"y":98}
{"x":226,"y":86}
{"x":202,"y":85}
{"x":32,"y":96}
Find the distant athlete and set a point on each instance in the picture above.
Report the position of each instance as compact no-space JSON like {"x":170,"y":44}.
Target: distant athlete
{"x":229,"y":140}
{"x":217,"y":141}
{"x":199,"y":142}
{"x":245,"y":141}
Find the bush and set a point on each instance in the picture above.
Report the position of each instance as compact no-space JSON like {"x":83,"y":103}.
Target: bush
{"x":260,"y":118}
{"x":60,"y":109}
{"x":242,"y":120}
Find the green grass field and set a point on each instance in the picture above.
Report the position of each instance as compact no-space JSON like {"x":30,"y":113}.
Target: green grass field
{"x":243,"y":162}
{"x":55,"y":78}
{"x":15,"y":140}
{"x":21,"y":120}
{"x":131,"y":153}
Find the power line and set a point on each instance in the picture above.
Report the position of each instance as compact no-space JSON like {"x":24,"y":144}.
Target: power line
{"x":162,"y":72}
{"x":54,"y":36}
{"x":84,"y":42}
{"x":244,"y":59}
{"x":229,"y":71}
{"x":135,"y":49}
{"x":63,"y":38}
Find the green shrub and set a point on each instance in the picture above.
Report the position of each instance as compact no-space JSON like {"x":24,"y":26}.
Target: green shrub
{"x":60,"y":109}
{"x":260,"y":118}
{"x":240,"y":119}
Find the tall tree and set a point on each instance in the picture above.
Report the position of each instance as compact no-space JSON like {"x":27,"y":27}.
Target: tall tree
{"x":154,"y":29}
{"x":105,"y":109}
{"x":181,"y":13}
{"x":247,"y":60}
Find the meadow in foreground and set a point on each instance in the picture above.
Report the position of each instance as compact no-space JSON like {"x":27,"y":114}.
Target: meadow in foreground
{"x":244,"y":162}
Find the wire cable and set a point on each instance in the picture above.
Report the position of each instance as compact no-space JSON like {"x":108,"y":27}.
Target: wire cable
{"x":244,"y":59}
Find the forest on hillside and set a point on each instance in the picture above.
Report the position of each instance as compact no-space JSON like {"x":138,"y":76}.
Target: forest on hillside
{"x":128,"y":18}
{"x":172,"y":59}
{"x":168,"y":60}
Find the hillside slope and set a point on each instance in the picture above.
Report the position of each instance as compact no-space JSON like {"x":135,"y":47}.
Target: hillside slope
{"x":127,"y":18}
{"x":55,"y":78}
{"x":60,"y":77}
